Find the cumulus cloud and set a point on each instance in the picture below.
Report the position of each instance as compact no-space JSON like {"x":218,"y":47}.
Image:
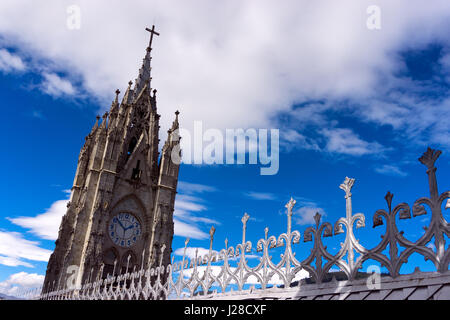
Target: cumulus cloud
{"x":391,"y":170}
{"x":188,"y":230}
{"x":260,"y":195}
{"x":18,"y":282}
{"x":56,"y":86}
{"x":45,"y":225}
{"x":37,"y":114}
{"x":291,"y":139}
{"x":238,"y":74}
{"x":14,"y":262}
{"x":10,"y":62}
{"x":190,"y":188}
{"x":14,"y":249}
{"x":345,"y":141}
{"x":24,"y":279}
{"x":188,"y":208}
{"x":305,"y":215}
{"x":191,"y":252}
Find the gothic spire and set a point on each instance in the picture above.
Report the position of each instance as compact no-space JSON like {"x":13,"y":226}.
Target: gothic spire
{"x":94,"y":128}
{"x":103,"y":125}
{"x":144,"y":77}
{"x":173,"y":135}
{"x":115,"y":104}
{"x":175,"y":124}
{"x":128,"y":96}
{"x":116,"y":101}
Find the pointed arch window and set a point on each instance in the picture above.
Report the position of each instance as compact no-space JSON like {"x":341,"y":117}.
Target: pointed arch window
{"x":136,"y":174}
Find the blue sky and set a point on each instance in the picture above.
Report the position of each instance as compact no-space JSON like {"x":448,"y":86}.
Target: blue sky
{"x":348,"y":101}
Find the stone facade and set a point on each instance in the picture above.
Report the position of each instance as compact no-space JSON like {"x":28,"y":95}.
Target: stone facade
{"x":120,"y":212}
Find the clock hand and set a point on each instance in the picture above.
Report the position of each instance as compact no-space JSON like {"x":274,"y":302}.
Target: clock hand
{"x":121,"y":224}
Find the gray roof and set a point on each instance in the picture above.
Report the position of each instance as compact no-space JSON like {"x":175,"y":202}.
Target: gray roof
{"x":416,"y":286}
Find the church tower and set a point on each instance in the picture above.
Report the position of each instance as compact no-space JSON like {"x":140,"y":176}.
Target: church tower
{"x":120,"y":212}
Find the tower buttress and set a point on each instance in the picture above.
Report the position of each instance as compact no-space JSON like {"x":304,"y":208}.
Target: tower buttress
{"x":163,"y":226}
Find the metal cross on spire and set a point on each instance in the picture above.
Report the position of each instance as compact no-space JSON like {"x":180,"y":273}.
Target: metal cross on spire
{"x":152,"y":31}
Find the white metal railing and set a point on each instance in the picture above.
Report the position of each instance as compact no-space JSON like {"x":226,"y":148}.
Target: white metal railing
{"x":213,"y":274}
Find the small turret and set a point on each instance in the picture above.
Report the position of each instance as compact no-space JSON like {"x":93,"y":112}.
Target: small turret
{"x":173,"y":134}
{"x":95,"y":127}
{"x":128,"y":97}
{"x":163,"y":226}
{"x":104,"y":121}
{"x":115,"y":104}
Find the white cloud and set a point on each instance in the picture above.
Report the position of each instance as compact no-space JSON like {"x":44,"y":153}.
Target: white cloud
{"x":190,"y":188}
{"x":24,"y":279}
{"x":305,"y":215}
{"x":185,"y":203}
{"x":191,"y":251}
{"x":14,"y":262}
{"x":14,"y":248}
{"x":291,"y":139}
{"x":345,"y":141}
{"x":188,"y":230}
{"x":261,"y":195}
{"x":391,"y":170}
{"x":18,"y":282}
{"x":270,"y":57}
{"x":187,"y":219}
{"x":56,"y":86}
{"x":37,"y":114}
{"x":45,"y":225}
{"x":10,"y":62}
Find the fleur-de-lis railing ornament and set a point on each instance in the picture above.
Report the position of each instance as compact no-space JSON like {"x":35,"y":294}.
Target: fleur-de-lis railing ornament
{"x":288,"y":261}
{"x":438,"y":226}
{"x":208,"y":278}
{"x":243,"y":271}
{"x":187,"y":280}
{"x":392,"y":236}
{"x":290,"y":206}
{"x":226,"y":274}
{"x":319,"y":250}
{"x":267,"y":267}
{"x":176,"y":279}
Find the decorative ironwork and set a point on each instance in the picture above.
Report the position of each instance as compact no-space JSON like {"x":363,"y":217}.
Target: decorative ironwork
{"x":213,"y":274}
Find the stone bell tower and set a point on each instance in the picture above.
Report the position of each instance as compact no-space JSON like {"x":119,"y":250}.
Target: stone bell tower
{"x":120,"y":213}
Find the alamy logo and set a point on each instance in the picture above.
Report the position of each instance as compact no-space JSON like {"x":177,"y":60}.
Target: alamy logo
{"x":73,"y":281}
{"x":73,"y":21}
{"x":374,"y":280}
{"x":374,"y":19}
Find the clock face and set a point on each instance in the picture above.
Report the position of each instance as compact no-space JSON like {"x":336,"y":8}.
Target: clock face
{"x":124,"y":229}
